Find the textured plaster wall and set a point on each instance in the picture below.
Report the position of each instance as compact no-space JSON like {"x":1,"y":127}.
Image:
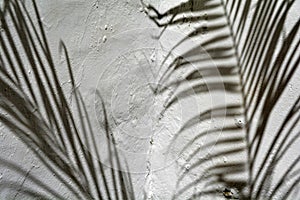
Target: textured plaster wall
{"x":113,"y":48}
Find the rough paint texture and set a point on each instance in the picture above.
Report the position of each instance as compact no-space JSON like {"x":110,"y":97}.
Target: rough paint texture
{"x":113,"y":49}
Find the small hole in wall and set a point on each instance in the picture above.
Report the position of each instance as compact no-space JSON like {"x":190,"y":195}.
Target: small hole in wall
{"x":187,"y":166}
{"x":227,"y":193}
{"x":151,"y":141}
{"x":230,"y":193}
{"x":240,"y":123}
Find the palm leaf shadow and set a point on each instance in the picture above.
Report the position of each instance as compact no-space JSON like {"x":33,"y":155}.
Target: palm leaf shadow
{"x":36,"y":110}
{"x":254,"y":31}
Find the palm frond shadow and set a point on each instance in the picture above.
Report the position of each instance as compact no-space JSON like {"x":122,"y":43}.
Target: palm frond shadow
{"x":35,"y":108}
{"x":242,"y":38}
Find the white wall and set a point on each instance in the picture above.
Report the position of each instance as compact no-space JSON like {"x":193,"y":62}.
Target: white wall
{"x":113,"y":48}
